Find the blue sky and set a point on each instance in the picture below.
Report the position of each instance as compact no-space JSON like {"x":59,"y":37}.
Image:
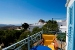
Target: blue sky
{"x":30,"y":11}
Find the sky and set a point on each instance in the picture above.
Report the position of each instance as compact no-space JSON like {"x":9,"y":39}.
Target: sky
{"x":30,"y":11}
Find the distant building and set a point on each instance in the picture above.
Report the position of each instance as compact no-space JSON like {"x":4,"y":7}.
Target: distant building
{"x":18,"y":28}
{"x":39,"y":24}
{"x":62,"y":24}
{"x":70,"y":39}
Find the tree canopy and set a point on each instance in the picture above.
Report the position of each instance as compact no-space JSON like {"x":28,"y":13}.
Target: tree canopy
{"x":9,"y":36}
{"x":25,"y":26}
{"x":41,"y":20}
{"x":36,"y":29}
{"x":51,"y":25}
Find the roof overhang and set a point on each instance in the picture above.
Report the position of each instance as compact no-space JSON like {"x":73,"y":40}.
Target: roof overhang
{"x":67,"y":3}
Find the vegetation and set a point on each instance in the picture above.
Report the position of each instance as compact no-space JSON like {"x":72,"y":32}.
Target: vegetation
{"x":36,"y":29}
{"x":24,"y":35}
{"x":61,"y":36}
{"x":25,"y":26}
{"x":9,"y":37}
{"x":51,"y":26}
{"x":41,"y":20}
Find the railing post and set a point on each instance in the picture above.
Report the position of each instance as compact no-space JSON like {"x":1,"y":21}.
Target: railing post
{"x":28,"y":42}
{"x":40,"y":35}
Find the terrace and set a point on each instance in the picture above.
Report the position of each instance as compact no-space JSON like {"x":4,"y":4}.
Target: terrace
{"x":35,"y":41}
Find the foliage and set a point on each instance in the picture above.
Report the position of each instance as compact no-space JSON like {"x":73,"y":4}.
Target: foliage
{"x":51,"y":26}
{"x":41,"y":20}
{"x":24,"y":35}
{"x":36,"y":29}
{"x":61,"y":36}
{"x":25,"y":47}
{"x":45,"y":30}
{"x":9,"y":36}
{"x":25,"y":26}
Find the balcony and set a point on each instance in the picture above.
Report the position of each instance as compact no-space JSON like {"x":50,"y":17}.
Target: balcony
{"x":35,"y":41}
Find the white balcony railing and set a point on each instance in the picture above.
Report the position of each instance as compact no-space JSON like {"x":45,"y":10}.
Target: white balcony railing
{"x":20,"y":44}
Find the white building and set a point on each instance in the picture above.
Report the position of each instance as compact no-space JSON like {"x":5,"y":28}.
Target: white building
{"x":39,"y":24}
{"x":62,"y":25}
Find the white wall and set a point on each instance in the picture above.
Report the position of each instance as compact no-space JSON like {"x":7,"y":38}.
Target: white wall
{"x":70,"y":3}
{"x":64,"y":25}
{"x":63,"y":28}
{"x":67,"y":29}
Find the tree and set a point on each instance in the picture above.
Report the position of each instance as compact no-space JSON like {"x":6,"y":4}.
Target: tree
{"x":9,"y":36}
{"x":24,"y":35}
{"x":25,"y":26}
{"x":61,"y":36}
{"x":51,"y":25}
{"x":41,"y":20}
{"x":36,"y":29}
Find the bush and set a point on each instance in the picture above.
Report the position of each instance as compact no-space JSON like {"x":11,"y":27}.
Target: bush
{"x":61,"y":36}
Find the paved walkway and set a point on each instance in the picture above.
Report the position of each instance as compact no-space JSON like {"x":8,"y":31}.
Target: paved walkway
{"x":63,"y":44}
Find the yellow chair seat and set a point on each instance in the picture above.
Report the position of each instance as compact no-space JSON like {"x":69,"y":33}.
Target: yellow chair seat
{"x":47,"y":42}
{"x":51,"y":46}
